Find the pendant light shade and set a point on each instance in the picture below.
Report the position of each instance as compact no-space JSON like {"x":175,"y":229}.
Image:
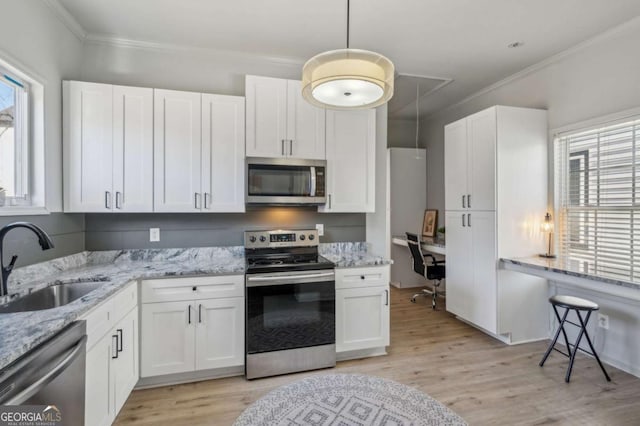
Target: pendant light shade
{"x":348,"y":79}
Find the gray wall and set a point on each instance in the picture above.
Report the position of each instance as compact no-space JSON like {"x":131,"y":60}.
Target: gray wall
{"x":66,"y":232}
{"x":401,"y":133}
{"x":118,"y":231}
{"x":601,"y":77}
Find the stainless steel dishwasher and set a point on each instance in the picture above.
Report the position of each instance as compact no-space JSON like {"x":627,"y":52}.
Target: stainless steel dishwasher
{"x":51,"y":374}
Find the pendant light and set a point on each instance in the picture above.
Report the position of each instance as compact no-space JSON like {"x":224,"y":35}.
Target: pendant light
{"x":348,"y":78}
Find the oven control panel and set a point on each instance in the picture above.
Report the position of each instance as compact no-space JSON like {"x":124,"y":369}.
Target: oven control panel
{"x":281,"y":238}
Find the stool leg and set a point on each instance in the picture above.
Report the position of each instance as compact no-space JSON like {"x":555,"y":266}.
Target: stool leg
{"x":577,"y":344}
{"x":593,"y":351}
{"x":555,"y":338}
{"x":434,"y":296}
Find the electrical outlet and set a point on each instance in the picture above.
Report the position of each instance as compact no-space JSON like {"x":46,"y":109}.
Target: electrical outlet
{"x":603,"y":321}
{"x":154,"y":234}
{"x":320,"y":228}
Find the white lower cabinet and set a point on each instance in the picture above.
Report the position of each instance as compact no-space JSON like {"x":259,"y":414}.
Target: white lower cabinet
{"x":112,"y":357}
{"x":362,"y":308}
{"x":201,"y":333}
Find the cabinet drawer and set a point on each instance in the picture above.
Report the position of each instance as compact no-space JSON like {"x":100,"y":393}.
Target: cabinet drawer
{"x":362,"y":277}
{"x":194,"y":288}
{"x":124,"y":301}
{"x":102,"y":318}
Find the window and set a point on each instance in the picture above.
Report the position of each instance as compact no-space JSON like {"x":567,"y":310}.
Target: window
{"x":597,"y":174}
{"x":14,"y":140}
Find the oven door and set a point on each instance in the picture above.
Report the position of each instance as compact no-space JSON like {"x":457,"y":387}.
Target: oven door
{"x":285,"y":181}
{"x":289,"y":310}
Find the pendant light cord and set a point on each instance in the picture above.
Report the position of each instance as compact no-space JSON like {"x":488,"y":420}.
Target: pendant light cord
{"x":348,"y":19}
{"x":417,"y":117}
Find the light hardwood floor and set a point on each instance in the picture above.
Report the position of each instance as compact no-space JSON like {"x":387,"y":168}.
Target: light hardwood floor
{"x":483,"y":380}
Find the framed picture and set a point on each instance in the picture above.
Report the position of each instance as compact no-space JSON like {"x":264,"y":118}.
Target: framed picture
{"x":430,"y":223}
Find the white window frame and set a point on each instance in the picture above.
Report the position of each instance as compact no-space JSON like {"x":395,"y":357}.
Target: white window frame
{"x":634,"y":209}
{"x":21,"y":135}
{"x":31,"y":143}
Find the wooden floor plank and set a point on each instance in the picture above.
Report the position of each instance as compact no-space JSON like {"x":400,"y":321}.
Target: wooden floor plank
{"x":483,"y":380}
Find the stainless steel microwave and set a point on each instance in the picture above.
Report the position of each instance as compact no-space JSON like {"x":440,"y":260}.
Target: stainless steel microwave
{"x":282,"y":181}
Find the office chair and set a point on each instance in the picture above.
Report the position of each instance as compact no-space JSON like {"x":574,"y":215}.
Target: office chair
{"x":434,"y":271}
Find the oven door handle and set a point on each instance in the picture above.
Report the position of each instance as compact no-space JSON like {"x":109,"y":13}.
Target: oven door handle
{"x":271,"y":279}
{"x":312,"y":182}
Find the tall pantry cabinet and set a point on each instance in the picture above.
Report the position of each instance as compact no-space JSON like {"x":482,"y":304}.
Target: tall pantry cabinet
{"x":495,"y":199}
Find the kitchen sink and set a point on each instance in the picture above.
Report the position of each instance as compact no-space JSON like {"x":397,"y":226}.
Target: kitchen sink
{"x":50,"y":297}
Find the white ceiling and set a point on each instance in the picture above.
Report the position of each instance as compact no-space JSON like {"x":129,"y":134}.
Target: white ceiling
{"x":462,"y":40}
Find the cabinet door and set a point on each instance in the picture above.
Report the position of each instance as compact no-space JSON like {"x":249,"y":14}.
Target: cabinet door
{"x":362,"y":318}
{"x":125,"y":366}
{"x":351,"y":140}
{"x":132,"y":149}
{"x":305,"y":125}
{"x":266,"y":116}
{"x":219,"y":333}
{"x":177,"y":151}
{"x":223,"y":153}
{"x":460,"y":287}
{"x":455,"y":165}
{"x":98,"y":383}
{"x":168,"y":338}
{"x":481,"y":133}
{"x":482,"y":227}
{"x":88,"y":145}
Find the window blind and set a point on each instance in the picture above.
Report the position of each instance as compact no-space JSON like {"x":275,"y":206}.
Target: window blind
{"x":597,"y":179}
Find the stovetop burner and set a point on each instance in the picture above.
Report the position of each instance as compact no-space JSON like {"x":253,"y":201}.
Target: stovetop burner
{"x":275,"y":251}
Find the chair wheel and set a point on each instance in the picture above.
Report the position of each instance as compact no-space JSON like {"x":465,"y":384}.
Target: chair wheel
{"x":413,"y":300}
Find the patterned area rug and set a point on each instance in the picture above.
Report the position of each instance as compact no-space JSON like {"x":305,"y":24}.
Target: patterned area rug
{"x":347,"y":400}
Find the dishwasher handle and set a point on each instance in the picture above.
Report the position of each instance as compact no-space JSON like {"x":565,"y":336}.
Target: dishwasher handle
{"x":34,"y":388}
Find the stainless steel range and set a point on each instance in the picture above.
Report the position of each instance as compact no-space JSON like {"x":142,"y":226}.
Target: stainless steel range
{"x":290,"y":297}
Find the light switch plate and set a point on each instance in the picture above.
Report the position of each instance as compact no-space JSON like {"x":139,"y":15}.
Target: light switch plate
{"x":320,"y":228}
{"x":154,"y":234}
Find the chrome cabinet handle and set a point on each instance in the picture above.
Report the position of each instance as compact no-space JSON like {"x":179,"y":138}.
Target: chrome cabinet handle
{"x":119,"y":341}
{"x":463,"y":205}
{"x":386,"y":303}
{"x":329,"y":201}
{"x":197,"y":200}
{"x":469,"y":220}
{"x":118,"y":200}
{"x":200,"y":313}
{"x":469,"y":200}
{"x":206,"y":200}
{"x":282,"y":143}
{"x":463,"y":225}
{"x":290,"y":146}
{"x":107,"y":200}
{"x":189,"y":314}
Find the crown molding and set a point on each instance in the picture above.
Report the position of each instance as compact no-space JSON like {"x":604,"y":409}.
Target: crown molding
{"x":168,"y":47}
{"x":610,"y":33}
{"x":67,"y":19}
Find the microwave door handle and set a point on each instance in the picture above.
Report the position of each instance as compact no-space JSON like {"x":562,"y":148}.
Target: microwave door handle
{"x":312,"y":182}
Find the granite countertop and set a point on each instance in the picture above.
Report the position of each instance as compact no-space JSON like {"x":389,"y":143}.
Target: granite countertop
{"x":20,"y":332}
{"x":569,"y":267}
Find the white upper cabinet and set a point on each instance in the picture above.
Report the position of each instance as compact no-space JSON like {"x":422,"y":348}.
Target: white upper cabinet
{"x":350,"y":147}
{"x":133,"y":149}
{"x":108,"y":148}
{"x":223,"y":153}
{"x":280,"y":123}
{"x":88,"y":147}
{"x":177,"y":151}
{"x":305,"y":125}
{"x":470,"y":162}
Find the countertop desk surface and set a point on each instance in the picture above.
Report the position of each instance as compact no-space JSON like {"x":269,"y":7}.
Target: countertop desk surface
{"x":431,"y":245}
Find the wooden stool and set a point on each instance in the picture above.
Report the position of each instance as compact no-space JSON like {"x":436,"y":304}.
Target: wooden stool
{"x":578,"y":305}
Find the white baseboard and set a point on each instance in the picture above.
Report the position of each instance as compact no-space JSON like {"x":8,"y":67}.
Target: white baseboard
{"x":190,"y":377}
{"x":362,"y":353}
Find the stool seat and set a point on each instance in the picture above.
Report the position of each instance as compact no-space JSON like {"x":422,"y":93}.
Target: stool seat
{"x":572,"y":302}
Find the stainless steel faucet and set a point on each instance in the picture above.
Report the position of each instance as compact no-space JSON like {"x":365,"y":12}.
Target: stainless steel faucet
{"x":43,"y":239}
